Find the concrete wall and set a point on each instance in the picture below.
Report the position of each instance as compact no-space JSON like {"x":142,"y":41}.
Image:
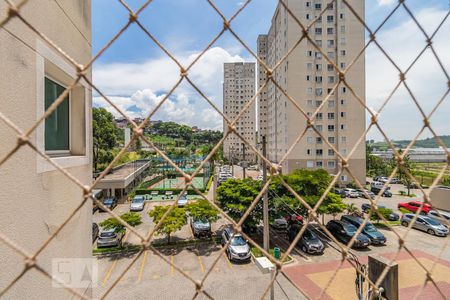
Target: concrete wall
{"x":440,"y":197}
{"x":35,"y":197}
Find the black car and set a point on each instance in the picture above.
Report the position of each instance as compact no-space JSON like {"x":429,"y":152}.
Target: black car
{"x":308,"y":242}
{"x":110,"y":203}
{"x":344,"y":232}
{"x":95,"y":231}
{"x":365,"y":207}
{"x":200,"y":227}
{"x":339,"y":192}
{"x":376,"y":237}
{"x":376,"y":190}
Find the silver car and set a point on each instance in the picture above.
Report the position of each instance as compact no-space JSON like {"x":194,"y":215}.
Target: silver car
{"x":109,"y":238}
{"x":440,"y":218}
{"x":238,"y":249}
{"x":423,"y":223}
{"x":138,"y":203}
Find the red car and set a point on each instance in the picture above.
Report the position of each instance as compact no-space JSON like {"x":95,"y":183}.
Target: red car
{"x":294,"y":217}
{"x":413,"y":206}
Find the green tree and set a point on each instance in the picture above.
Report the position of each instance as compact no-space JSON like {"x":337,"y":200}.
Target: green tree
{"x":131,"y":218}
{"x":403,"y":169}
{"x":351,"y":208}
{"x":235,"y":197}
{"x":173,"y":222}
{"x":104,"y":136}
{"x":375,"y":165}
{"x":202,"y":209}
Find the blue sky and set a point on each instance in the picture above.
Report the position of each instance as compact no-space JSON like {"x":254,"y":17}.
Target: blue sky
{"x":136,"y":74}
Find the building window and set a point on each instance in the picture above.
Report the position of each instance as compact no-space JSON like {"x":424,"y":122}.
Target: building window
{"x":309,"y":139}
{"x":319,"y":140}
{"x":330,"y":103}
{"x":309,"y":66}
{"x":308,"y":151}
{"x":319,"y":67}
{"x":318,"y":103}
{"x":310,"y":164}
{"x":330,"y":54}
{"x":330,"y":30}
{"x":319,"y":116}
{"x":342,"y":29}
{"x":308,"y":16}
{"x":331,"y":164}
{"x":308,"y":3}
{"x":330,"y":19}
{"x":344,"y":89}
{"x":343,"y":177}
{"x":318,"y":79}
{"x":318,"y":6}
{"x":57,"y":125}
{"x":319,"y":128}
{"x":318,"y":31}
{"x":341,"y":16}
{"x":330,"y":116}
{"x":308,"y":77}
{"x":330,"y":152}
{"x":319,"y":43}
{"x":318,"y":55}
{"x":331,"y":139}
{"x":330,"y":43}
{"x":330,"y":79}
{"x":319,"y":152}
{"x":309,"y":53}
{"x":343,"y":102}
{"x":319,"y":92}
{"x":342,"y":65}
{"x":343,"y":41}
{"x":319,"y":164}
{"x":343,"y":52}
{"x":343,"y":126}
{"x":343,"y":114}
{"x":309,"y":90}
{"x":330,"y":67}
{"x":343,"y":139}
{"x":330,"y":128}
{"x":309,"y":102}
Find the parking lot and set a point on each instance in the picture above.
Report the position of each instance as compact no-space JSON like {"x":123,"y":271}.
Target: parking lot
{"x":152,"y":277}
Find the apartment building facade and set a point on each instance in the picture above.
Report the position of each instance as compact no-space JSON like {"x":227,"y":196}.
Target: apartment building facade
{"x":238,"y":89}
{"x":308,"y":78}
{"x":36,"y":197}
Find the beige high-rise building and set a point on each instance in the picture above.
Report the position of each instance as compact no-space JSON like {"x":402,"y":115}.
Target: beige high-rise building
{"x":308,"y":78}
{"x":238,"y":90}
{"x":36,"y":198}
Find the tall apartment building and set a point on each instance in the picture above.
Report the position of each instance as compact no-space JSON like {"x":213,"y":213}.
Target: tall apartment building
{"x":238,"y":90}
{"x":36,"y":198}
{"x":308,"y":78}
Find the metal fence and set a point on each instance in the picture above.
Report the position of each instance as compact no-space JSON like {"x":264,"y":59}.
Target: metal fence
{"x":14,"y":12}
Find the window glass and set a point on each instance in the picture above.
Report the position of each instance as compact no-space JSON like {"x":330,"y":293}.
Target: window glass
{"x":57,"y":123}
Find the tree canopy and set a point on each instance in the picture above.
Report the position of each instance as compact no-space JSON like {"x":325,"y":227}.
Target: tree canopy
{"x":105,"y":136}
{"x":202,"y":209}
{"x":131,"y":218}
{"x":174,"y":221}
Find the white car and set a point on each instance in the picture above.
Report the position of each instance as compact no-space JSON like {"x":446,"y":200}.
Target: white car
{"x":351,"y":193}
{"x":182,"y":201}
{"x":138,"y":203}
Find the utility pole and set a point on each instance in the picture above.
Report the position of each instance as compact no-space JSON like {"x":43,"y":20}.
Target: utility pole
{"x":243,"y":160}
{"x":265,"y":199}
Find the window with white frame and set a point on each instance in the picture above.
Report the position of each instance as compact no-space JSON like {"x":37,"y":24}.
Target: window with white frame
{"x":310,"y":164}
{"x":331,"y":164}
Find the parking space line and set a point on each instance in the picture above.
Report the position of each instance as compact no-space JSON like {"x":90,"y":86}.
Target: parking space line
{"x":109,"y":273}
{"x":228,"y":261}
{"x":141,"y":270}
{"x":201,"y":264}
{"x":172,"y":272}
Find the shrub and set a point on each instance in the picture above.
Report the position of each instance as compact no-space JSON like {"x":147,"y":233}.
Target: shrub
{"x":385,"y":212}
{"x":210,"y":181}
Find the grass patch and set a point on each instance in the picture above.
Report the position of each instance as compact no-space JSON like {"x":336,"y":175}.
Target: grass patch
{"x":387,"y":225}
{"x":128,"y":248}
{"x":257,"y":253}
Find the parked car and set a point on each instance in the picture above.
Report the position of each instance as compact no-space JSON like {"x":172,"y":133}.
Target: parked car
{"x":200,"y":227}
{"x":413,"y":206}
{"x":433,"y":214}
{"x":95,"y":231}
{"x":387,"y":193}
{"x":138,"y":203}
{"x":376,"y":237}
{"x":344,"y":231}
{"x":339,"y":192}
{"x":238,"y":248}
{"x":395,"y":180}
{"x":109,"y":238}
{"x":280,"y":224}
{"x":363,"y":195}
{"x":381,"y":179}
{"x":365,"y":207}
{"x":351,"y":193}
{"x":110,"y":203}
{"x":423,"y":223}
{"x":182,"y":201}
{"x":309,"y":242}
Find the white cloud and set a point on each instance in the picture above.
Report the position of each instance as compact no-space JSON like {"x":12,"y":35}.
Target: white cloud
{"x":386,"y":2}
{"x":403,"y":43}
{"x":142,"y":85}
